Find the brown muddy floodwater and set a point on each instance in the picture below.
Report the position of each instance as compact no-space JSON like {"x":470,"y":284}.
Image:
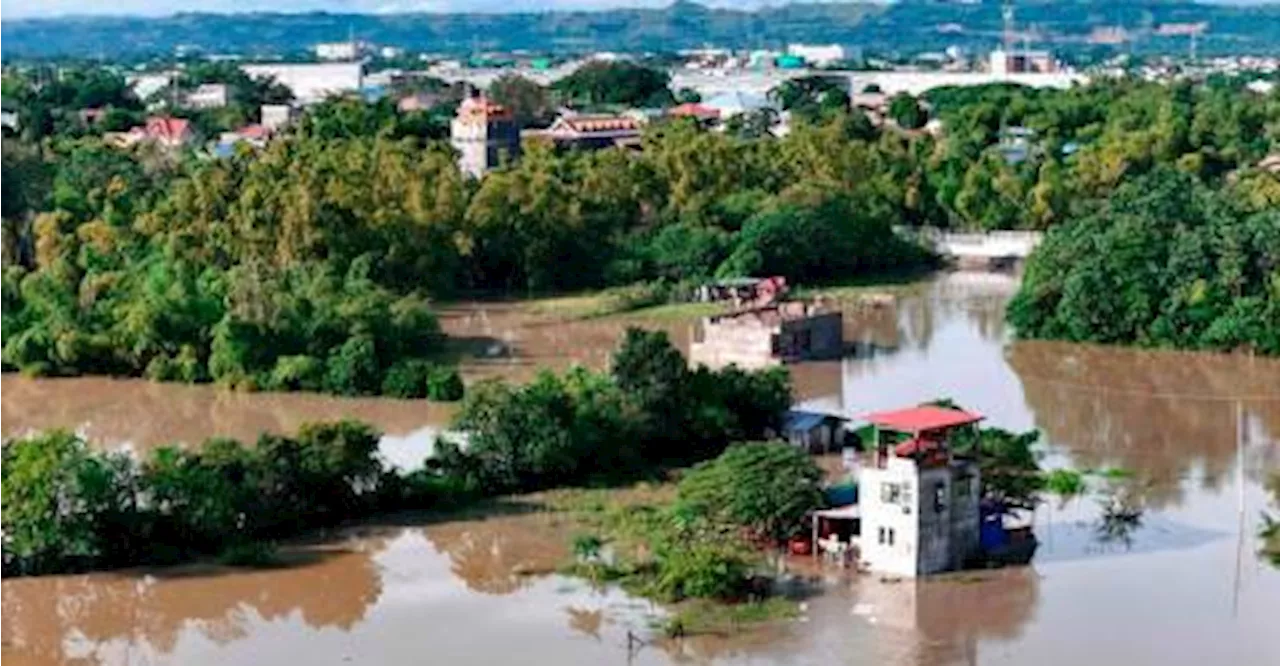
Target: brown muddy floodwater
{"x":1187,"y":587}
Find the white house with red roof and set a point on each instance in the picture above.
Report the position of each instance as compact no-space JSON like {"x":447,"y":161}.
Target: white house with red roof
{"x":919,"y":503}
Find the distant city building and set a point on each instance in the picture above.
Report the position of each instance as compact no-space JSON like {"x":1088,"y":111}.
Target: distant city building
{"x":9,"y":121}
{"x":312,"y":82}
{"x":591,"y":131}
{"x":164,"y":131}
{"x":485,"y":135}
{"x":348,"y":50}
{"x":252,"y":135}
{"x":819,"y":55}
{"x":1182,"y":29}
{"x":696,"y":111}
{"x":1022,"y":62}
{"x":147,"y":84}
{"x":208,"y":96}
{"x":419,"y":101}
{"x":762,"y":59}
{"x":1110,"y":35}
{"x":1261,"y":86}
{"x":735,"y":103}
{"x":276,"y":117}
{"x":390,"y":52}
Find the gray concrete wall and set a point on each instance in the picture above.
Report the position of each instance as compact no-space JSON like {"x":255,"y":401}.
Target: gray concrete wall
{"x":825,"y":337}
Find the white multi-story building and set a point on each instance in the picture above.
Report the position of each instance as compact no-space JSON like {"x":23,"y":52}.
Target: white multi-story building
{"x":312,"y":82}
{"x":208,"y":96}
{"x":485,"y":135}
{"x":818,"y":55}
{"x":348,"y":50}
{"x":919,"y":503}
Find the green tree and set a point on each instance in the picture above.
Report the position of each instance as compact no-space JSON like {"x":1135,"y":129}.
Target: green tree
{"x":907,"y":112}
{"x":527,"y":100}
{"x":615,"y":83}
{"x":767,"y":487}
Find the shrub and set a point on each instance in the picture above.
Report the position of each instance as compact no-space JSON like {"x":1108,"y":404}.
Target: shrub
{"x":407,"y":378}
{"x":250,"y":554}
{"x":701,"y":569}
{"x":62,"y":503}
{"x":445,"y":385}
{"x":352,"y":369}
{"x":297,"y":373}
{"x":161,"y":368}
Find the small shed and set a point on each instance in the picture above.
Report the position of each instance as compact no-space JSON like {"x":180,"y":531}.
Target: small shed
{"x":813,"y":431}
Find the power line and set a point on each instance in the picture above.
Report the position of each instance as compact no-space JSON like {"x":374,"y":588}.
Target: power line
{"x":1095,"y":388}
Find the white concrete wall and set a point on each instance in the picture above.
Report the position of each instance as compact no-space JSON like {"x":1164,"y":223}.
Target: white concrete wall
{"x":719,"y":345}
{"x":713,"y":82}
{"x":311,"y":82}
{"x":902,"y":557}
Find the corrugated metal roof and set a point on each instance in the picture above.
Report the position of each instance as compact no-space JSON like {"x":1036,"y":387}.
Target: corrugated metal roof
{"x":925,"y":417}
{"x":797,"y":421}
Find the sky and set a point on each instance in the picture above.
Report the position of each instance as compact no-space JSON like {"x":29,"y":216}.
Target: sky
{"x":46,"y":8}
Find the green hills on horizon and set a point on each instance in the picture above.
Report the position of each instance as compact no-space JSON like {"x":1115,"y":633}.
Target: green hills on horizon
{"x":898,"y":28}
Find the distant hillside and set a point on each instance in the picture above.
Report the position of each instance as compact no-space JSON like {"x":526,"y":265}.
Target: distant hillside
{"x":911,"y":26}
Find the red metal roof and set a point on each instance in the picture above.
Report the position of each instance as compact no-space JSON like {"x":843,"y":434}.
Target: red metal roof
{"x":920,"y":419}
{"x":167,"y":128}
{"x":695,"y":110}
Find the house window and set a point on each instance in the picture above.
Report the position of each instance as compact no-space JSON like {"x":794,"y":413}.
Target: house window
{"x":963,"y":487}
{"x":939,"y":497}
{"x":882,"y":536}
{"x":891,"y":493}
{"x":890,"y":531}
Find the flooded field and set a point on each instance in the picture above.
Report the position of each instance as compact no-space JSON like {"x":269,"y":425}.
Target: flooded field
{"x":1199,"y":431}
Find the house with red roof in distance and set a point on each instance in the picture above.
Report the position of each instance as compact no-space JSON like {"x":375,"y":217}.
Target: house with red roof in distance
{"x":919,"y":503}
{"x":164,"y":131}
{"x":590,"y":131}
{"x":254,"y":135}
{"x":703,"y":115}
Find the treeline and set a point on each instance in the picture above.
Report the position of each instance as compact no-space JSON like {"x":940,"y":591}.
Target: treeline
{"x":308,"y":264}
{"x":1022,"y":158}
{"x":650,"y":411}
{"x":1165,"y":262}
{"x":70,"y":507}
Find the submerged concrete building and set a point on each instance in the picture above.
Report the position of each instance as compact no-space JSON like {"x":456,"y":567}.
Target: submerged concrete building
{"x":788,"y":331}
{"x":919,"y":503}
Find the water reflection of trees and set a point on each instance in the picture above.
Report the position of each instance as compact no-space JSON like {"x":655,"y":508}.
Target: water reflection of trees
{"x":497,"y":555}
{"x":41,"y":616}
{"x":1269,"y":529}
{"x":1160,"y":414}
{"x":148,"y":414}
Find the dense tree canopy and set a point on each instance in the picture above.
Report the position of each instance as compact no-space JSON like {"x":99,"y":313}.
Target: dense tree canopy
{"x":615,"y":83}
{"x":1164,"y":262}
{"x":147,"y":262}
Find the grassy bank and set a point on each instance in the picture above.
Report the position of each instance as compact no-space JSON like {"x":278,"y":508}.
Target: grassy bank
{"x":701,"y":546}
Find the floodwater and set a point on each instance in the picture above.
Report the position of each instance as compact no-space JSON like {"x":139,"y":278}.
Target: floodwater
{"x":1199,"y":432}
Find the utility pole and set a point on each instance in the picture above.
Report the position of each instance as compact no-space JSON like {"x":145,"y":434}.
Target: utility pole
{"x":1007,"y":13}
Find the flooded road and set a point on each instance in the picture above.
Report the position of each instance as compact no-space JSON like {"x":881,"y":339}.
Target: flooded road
{"x":1186,"y":587}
